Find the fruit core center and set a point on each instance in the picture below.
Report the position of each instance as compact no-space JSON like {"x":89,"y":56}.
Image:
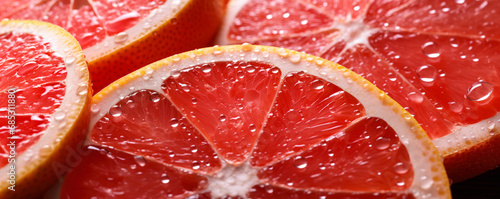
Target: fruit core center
{"x":354,"y":32}
{"x":233,"y":181}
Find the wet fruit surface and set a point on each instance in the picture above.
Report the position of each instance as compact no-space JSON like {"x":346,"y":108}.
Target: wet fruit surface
{"x":37,"y":74}
{"x":243,"y":129}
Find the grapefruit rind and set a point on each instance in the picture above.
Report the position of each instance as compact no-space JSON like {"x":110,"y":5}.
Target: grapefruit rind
{"x":34,"y":167}
{"x":423,"y":155}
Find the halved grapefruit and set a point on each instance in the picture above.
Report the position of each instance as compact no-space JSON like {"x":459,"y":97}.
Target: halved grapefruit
{"x":438,"y":59}
{"x":44,"y":104}
{"x":119,"y":37}
{"x":252,"y":122}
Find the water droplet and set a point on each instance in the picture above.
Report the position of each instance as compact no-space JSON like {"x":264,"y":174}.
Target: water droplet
{"x":175,"y":73}
{"x":275,"y":70}
{"x":300,"y":162}
{"x":59,"y":115}
{"x":82,"y":89}
{"x":318,"y":85}
{"x":69,"y":60}
{"x":252,"y":128}
{"x":459,"y":1}
{"x":416,"y":97}
{"x":222,"y":118}
{"x":194,"y":101}
{"x":174,"y":21}
{"x":164,"y":178}
{"x":206,"y":68}
{"x":491,"y":126}
{"x":456,"y":107}
{"x":140,"y":160}
{"x":382,"y":143}
{"x":115,"y":111}
{"x":147,"y":25}
{"x":480,"y":91}
{"x":133,"y":166}
{"x":120,"y":37}
{"x":155,"y":97}
{"x":295,"y":58}
{"x":426,"y":183}
{"x":269,"y":189}
{"x":401,"y":167}
{"x":94,"y":108}
{"x":196,"y":165}
{"x":427,"y":73}
{"x":250,"y":69}
{"x":193,"y":149}
{"x":431,"y":49}
{"x":174,"y":122}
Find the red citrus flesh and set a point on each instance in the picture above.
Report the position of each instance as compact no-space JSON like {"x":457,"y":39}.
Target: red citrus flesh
{"x":439,"y":63}
{"x":250,"y":107}
{"x":38,"y":74}
{"x":89,"y":21}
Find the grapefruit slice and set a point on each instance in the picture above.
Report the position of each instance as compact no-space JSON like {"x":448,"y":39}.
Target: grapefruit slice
{"x":438,"y":59}
{"x":44,"y":104}
{"x":252,"y":122}
{"x":119,"y":37}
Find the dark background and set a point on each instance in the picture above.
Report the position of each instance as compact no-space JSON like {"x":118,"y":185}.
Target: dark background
{"x":484,"y":186}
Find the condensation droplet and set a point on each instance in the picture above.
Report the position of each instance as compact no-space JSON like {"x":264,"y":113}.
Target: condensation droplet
{"x":174,"y":122}
{"x":206,"y":68}
{"x":115,"y":111}
{"x":250,"y":69}
{"x":300,"y":162}
{"x":164,"y":178}
{"x":140,"y":160}
{"x":382,"y":143}
{"x":479,"y":91}
{"x":155,"y":97}
{"x":426,"y":183}
{"x":69,"y":60}
{"x":275,"y":70}
{"x":427,"y":73}
{"x":94,"y":108}
{"x":456,"y":107}
{"x":401,"y":167}
{"x":459,"y":1}
{"x":252,"y":128}
{"x":295,"y":58}
{"x":194,"y":101}
{"x":59,"y":115}
{"x":120,"y":37}
{"x":193,"y":149}
{"x":431,"y":49}
{"x":416,"y":97}
{"x":269,"y":189}
{"x":318,"y":85}
{"x":82,"y":90}
{"x":196,"y":165}
{"x":222,"y":118}
{"x":45,"y":150}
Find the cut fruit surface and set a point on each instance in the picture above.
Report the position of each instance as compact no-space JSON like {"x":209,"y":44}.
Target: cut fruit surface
{"x":438,"y":59}
{"x":253,"y":122}
{"x":44,"y":98}
{"x":120,"y":37}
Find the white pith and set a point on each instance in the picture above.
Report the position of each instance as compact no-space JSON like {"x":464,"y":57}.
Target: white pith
{"x":461,"y":138}
{"x":157,"y":16}
{"x":151,"y":77}
{"x":72,"y":104}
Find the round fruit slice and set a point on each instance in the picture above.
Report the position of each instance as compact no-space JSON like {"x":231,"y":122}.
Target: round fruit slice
{"x":119,"y":37}
{"x":252,"y":122}
{"x":438,"y":59}
{"x":44,"y":105}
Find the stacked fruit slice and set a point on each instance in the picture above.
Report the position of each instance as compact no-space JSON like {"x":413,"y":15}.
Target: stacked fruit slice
{"x":252,"y":121}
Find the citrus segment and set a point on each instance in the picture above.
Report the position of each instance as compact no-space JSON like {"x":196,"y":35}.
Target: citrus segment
{"x":303,"y":19}
{"x":46,"y":92}
{"x":291,"y":124}
{"x":172,"y":140}
{"x":120,"y":172}
{"x":227,"y":102}
{"x":471,"y":19}
{"x":306,"y":111}
{"x":367,"y":153}
{"x":438,"y":59}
